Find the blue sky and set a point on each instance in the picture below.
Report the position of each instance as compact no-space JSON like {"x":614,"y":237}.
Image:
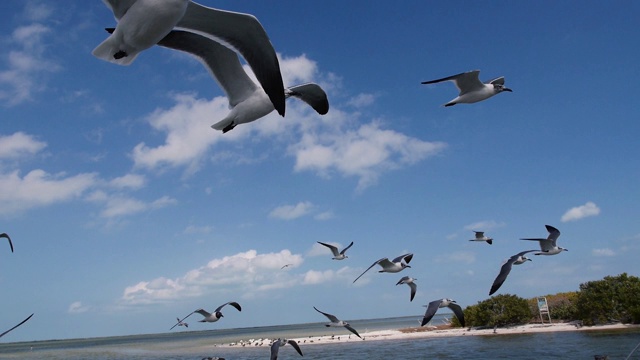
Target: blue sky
{"x":127,"y":210}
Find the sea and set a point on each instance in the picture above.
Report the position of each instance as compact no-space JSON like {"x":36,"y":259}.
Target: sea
{"x":190,"y":345}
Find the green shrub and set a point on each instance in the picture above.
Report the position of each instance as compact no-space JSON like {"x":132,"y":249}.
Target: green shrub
{"x":614,"y":298}
{"x":499,"y":310}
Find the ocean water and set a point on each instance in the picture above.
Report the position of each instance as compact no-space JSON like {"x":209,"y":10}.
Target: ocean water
{"x":185,"y":345}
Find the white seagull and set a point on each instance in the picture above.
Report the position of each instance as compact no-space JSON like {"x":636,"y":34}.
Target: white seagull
{"x":409,"y":281}
{"x":182,"y":323}
{"x":437,"y":304}
{"x":143,"y":23}
{"x":398,"y":264}
{"x":282,"y":342}
{"x":548,"y":246}
{"x":337,"y":255}
{"x":5,"y":235}
{"x":516,"y":259}
{"x":22,"y":322}
{"x":480,"y":237}
{"x":210,"y":317}
{"x":337,"y":323}
{"x":471,"y":88}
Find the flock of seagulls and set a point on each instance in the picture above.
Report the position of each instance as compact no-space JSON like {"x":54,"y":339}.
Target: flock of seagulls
{"x":6,"y":236}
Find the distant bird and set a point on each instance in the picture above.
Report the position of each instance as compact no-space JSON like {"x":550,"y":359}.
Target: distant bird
{"x":409,"y":281}
{"x":286,"y":265}
{"x":480,"y":237}
{"x":5,"y":235}
{"x":337,"y":323}
{"x":22,"y":322}
{"x":282,"y":342}
{"x":437,"y":304}
{"x":181,"y":323}
{"x":212,"y":358}
{"x":398,"y":264}
{"x":471,"y":88}
{"x":548,"y":246}
{"x":337,"y":255}
{"x":210,"y":317}
{"x":516,"y":259}
{"x":143,"y":23}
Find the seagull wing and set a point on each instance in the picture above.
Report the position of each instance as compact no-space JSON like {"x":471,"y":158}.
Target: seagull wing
{"x":331,"y":318}
{"x":119,"y":7}
{"x":499,"y":80}
{"x":465,"y":82}
{"x":347,"y":248}
{"x":199,"y":311}
{"x":403,"y":280}
{"x":5,"y":235}
{"x":457,"y":311}
{"x":21,"y":322}
{"x":553,"y":234}
{"x":312,"y":94}
{"x":244,"y":33}
{"x":479,"y":235}
{"x":295,"y":346}
{"x":232,"y":303}
{"x":353,"y":330}
{"x":502,"y":276}
{"x":406,"y":257}
{"x":431,"y":310}
{"x":413,"y":287}
{"x":334,"y":249}
{"x":274,"y":350}
{"x":372,"y":265}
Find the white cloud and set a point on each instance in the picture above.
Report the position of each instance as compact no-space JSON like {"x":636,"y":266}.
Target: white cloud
{"x":290,"y":212}
{"x":19,"y":144}
{"x":579,"y":212}
{"x":324,"y":215}
{"x":119,"y":205}
{"x":313,"y":277}
{"x":603,"y":252}
{"x":77,"y":308}
{"x":132,"y":181}
{"x":361,"y":100}
{"x":485,"y":225}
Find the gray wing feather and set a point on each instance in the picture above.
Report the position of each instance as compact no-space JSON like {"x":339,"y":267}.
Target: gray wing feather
{"x":457,"y":311}
{"x":353,"y":330}
{"x":295,"y":346}
{"x":22,"y":322}
{"x":431,"y":310}
{"x":5,"y":235}
{"x":372,"y":265}
{"x":334,"y":249}
{"x":331,"y":318}
{"x":347,"y":248}
{"x":312,"y":94}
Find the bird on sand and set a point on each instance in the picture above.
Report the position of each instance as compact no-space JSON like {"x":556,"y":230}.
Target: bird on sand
{"x":143,"y":23}
{"x":471,"y":88}
{"x":210,"y":317}
{"x":337,"y":323}
{"x":516,"y":259}
{"x":409,"y":281}
{"x":5,"y":235}
{"x":22,"y":322}
{"x":398,"y":264}
{"x":275,"y":347}
{"x":548,"y":246}
{"x":337,"y":255}
{"x":437,"y":304}
{"x":480,"y":237}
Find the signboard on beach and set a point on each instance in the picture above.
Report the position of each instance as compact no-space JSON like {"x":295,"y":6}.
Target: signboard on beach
{"x":543,"y":308}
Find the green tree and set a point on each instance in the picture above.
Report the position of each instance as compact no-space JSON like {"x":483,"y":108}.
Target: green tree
{"x":561,"y":306}
{"x":499,"y":310}
{"x":614,"y":298}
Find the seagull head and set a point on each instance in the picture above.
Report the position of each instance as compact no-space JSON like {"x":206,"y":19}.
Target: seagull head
{"x":563,"y":249}
{"x":219,"y":314}
{"x":500,"y":88}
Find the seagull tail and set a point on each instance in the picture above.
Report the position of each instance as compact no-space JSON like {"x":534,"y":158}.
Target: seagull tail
{"x":108,"y":48}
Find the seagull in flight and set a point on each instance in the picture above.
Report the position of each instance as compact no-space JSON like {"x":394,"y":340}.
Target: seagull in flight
{"x":282,"y":342}
{"x":337,"y":323}
{"x":409,"y":281}
{"x":480,"y":237}
{"x":143,"y":23}
{"x":285,"y":266}
{"x":337,"y":255}
{"x":210,"y":317}
{"x":22,"y":322}
{"x":437,"y":304}
{"x":182,"y":323}
{"x":516,"y":259}
{"x":398,"y":264}
{"x":5,"y":235}
{"x":471,"y":88}
{"x":548,"y":246}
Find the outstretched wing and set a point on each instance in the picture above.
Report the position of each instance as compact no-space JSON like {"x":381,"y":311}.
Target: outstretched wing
{"x":5,"y":235}
{"x":333,"y":249}
{"x":21,"y":322}
{"x":295,"y":346}
{"x":465,"y":82}
{"x":431,"y":310}
{"x":413,"y":287}
{"x":553,"y":234}
{"x":457,"y":311}
{"x":353,"y":330}
{"x":312,"y":94}
{"x":502,"y":276}
{"x":406,"y":257}
{"x":347,"y":248}
{"x":184,"y":318}
{"x":232,"y":303}
{"x":372,"y":265}
{"x":331,"y":318}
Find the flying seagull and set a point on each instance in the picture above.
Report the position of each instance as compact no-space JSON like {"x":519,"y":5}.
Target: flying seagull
{"x":5,"y":235}
{"x":480,"y":237}
{"x":182,"y":323}
{"x":337,"y":255}
{"x":143,"y":23}
{"x":437,"y":304}
{"x":516,"y":259}
{"x":548,"y":246}
{"x":286,"y":265}
{"x":22,"y":322}
{"x":471,"y":88}
{"x":336,"y":322}
{"x":210,"y":317}
{"x":282,"y":342}
{"x":398,"y":264}
{"x":409,"y":281}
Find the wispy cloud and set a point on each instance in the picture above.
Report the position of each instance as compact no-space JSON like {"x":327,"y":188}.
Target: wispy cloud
{"x":290,"y":212}
{"x":484,"y":225}
{"x":580,"y":212}
{"x":603,"y":252}
{"x":77,"y":308}
{"x":19,"y":144}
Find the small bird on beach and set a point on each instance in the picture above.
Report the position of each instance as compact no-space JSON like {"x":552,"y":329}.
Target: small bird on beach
{"x":210,"y":317}
{"x":5,"y":235}
{"x":409,"y":281}
{"x":433,"y":307}
{"x":398,"y":264}
{"x":471,"y":88}
{"x":275,"y":347}
{"x":22,"y":322}
{"x":337,"y":255}
{"x":480,"y":237}
{"x":516,"y":259}
{"x":337,"y":323}
{"x":548,"y":246}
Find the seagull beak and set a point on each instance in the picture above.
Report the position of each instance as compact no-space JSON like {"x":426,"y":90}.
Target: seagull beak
{"x":507,"y":89}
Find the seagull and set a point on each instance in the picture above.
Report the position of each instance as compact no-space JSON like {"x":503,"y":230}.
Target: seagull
{"x":143,"y":23}
{"x":516,"y":259}
{"x":337,"y":255}
{"x":336,"y":322}
{"x":22,"y":322}
{"x":5,"y":235}
{"x":181,"y":323}
{"x":398,"y":264}
{"x":282,"y":342}
{"x":284,"y":266}
{"x":471,"y":88}
{"x":210,"y":317}
{"x":409,"y":281}
{"x":436,"y":304}
{"x":480,"y":237}
{"x":548,"y":246}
